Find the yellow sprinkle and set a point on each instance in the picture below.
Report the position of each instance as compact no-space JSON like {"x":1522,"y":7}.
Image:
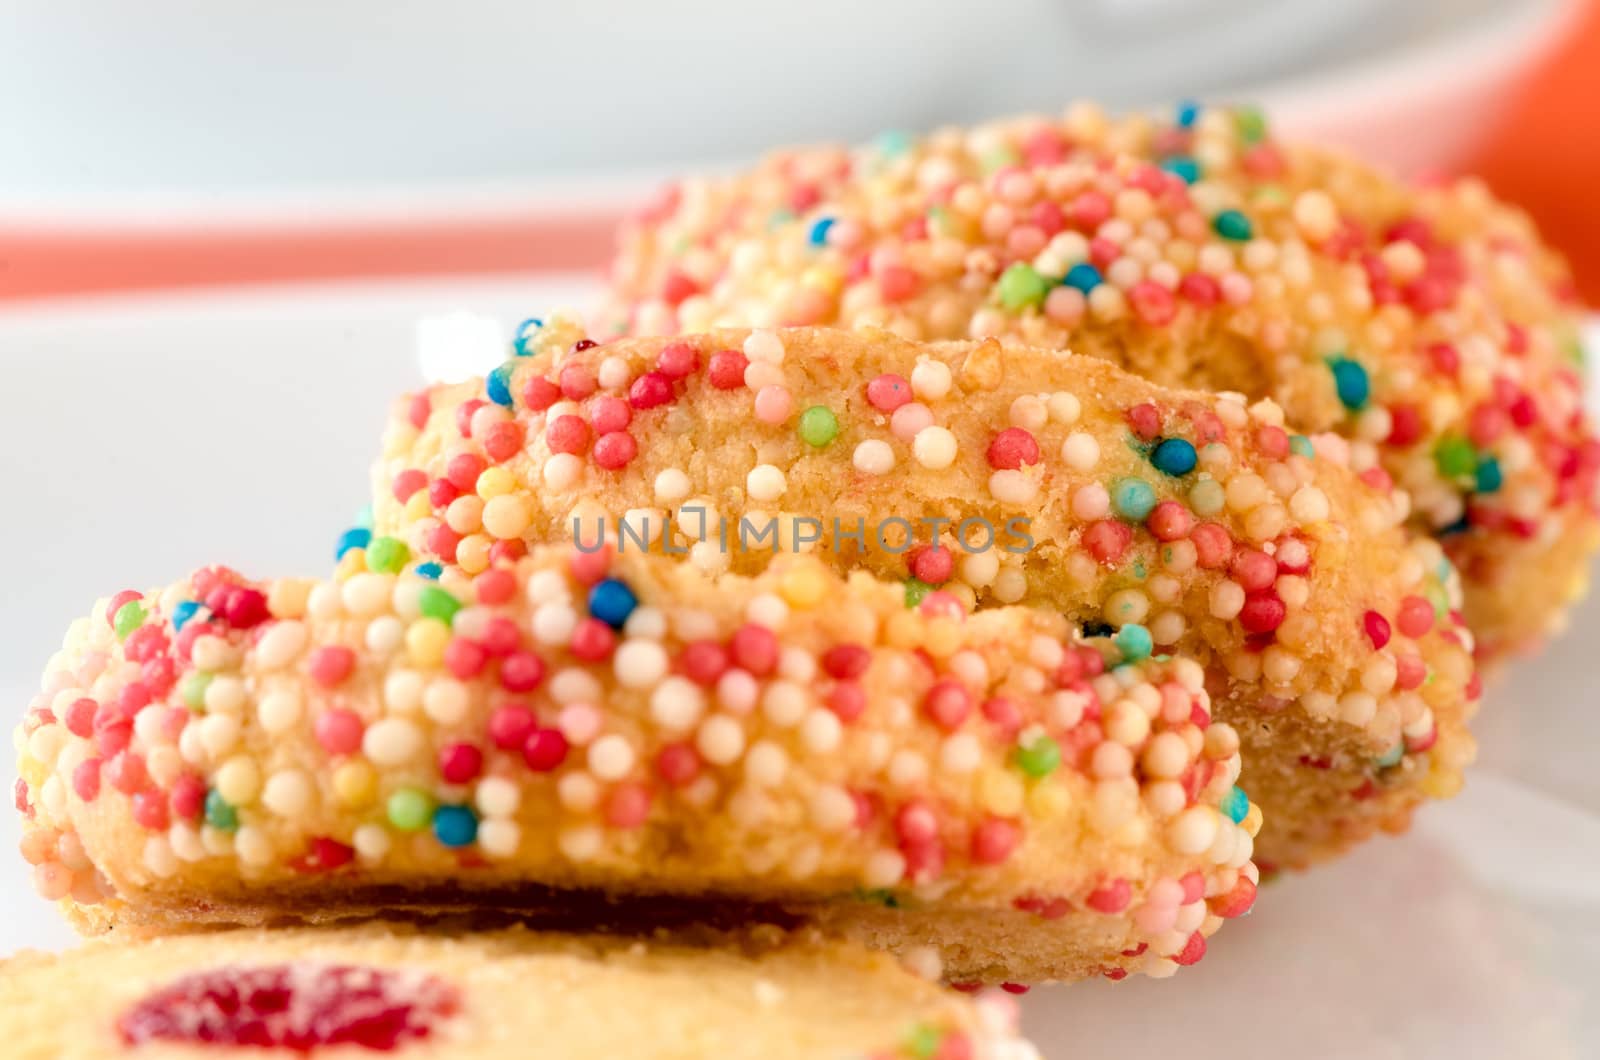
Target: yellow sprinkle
{"x":425,"y":642}
{"x":904,"y":630}
{"x":822,"y":279}
{"x":418,"y":506}
{"x":944,"y":637}
{"x":803,"y":586}
{"x":1442,"y":783}
{"x":1252,"y":820}
{"x":495,"y":482}
{"x":287,"y":597}
{"x":472,"y":554}
{"x":1048,"y":801}
{"x":506,"y":516}
{"x":1000,"y":792}
{"x":355,"y":784}
{"x":351,"y":563}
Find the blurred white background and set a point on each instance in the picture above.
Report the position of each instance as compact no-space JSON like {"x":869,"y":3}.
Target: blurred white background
{"x":177,"y":99}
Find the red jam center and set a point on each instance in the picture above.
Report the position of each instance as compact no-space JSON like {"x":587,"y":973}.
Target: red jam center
{"x":293,"y":1006}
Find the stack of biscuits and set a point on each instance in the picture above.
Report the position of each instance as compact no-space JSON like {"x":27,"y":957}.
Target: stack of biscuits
{"x":972,"y":560}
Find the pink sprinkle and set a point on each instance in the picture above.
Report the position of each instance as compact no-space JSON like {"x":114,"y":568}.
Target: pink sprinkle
{"x":464,"y":414}
{"x":931,"y":564}
{"x":1107,"y":540}
{"x":590,"y":566}
{"x":464,"y":659}
{"x":907,"y":420}
{"x":703,"y":662}
{"x":79,"y":717}
{"x":331,"y":664}
{"x":727,"y":369}
{"x":1013,"y":448}
{"x":774,"y":403}
{"x":86,"y":779}
{"x":609,"y":414}
{"x":1169,"y":521}
{"x":1090,"y":210}
{"x":460,"y":763}
{"x":545,"y":750}
{"x":1192,"y":950}
{"x":576,"y":382}
{"x":1254,"y":570}
{"x":1145,"y":419}
{"x":948,"y":703}
{"x":463,"y":471}
{"x":628,"y":805}
{"x":1263,"y":611}
{"x":1110,"y":898}
{"x":994,"y":840}
{"x":916,"y":823}
{"x":418,"y":409}
{"x":847,"y":700}
{"x":339,"y":731}
{"x":592,"y":640}
{"x":495,"y":587}
{"x":510,"y":726}
{"x":442,"y":542}
{"x":1003,"y":713}
{"x":580,"y":723}
{"x":678,"y":764}
{"x":1410,"y":672}
{"x":188,"y":797}
{"x":150,"y":811}
{"x":755,"y":648}
{"x":897,"y":283}
{"x":1273,"y":441}
{"x":616,"y":450}
{"x":540,"y":393}
{"x":1153,"y":302}
{"x":409,"y":482}
{"x":1213,"y":545}
{"x":126,"y":773}
{"x":1415,"y":617}
{"x":521,"y":671}
{"x":503,"y":441}
{"x":1377,"y":628}
{"x":888,"y":392}
{"x":1065,"y":305}
{"x":677,"y":360}
{"x":567,"y":434}
{"x":650,"y":390}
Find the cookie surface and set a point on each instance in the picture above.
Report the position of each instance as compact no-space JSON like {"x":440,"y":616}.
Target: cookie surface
{"x":617,"y":741}
{"x":1427,"y":324}
{"x":1184,"y":521}
{"x":404,"y":992}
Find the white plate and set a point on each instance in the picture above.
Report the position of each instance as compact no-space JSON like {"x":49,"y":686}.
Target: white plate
{"x":142,"y":437}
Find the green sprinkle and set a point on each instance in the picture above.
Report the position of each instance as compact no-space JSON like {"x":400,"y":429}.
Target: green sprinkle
{"x":410,"y":809}
{"x":1300,"y":444}
{"x":1455,"y":458}
{"x":435,"y":602}
{"x":1021,"y":286}
{"x":893,"y":142}
{"x":129,"y":617}
{"x":1134,"y":641}
{"x":219,"y":814}
{"x":923,"y":1041}
{"x":818,"y":426}
{"x":886,"y":898}
{"x":1438,"y":598}
{"x":999,"y":158}
{"x":364,"y":517}
{"x":1039,"y":758}
{"x":1231,"y":224}
{"x":387,"y":555}
{"x":193,"y":690}
{"x":916,"y":589}
{"x":1251,"y":123}
{"x":1391,"y":757}
{"x":1132,"y":498}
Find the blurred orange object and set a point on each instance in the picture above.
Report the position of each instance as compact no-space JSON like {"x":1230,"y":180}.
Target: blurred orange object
{"x":1545,"y":152}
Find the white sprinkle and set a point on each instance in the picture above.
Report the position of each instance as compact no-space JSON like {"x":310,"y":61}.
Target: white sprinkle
{"x":392,"y":741}
{"x":720,"y":740}
{"x":640,"y":663}
{"x":677,"y":703}
{"x":873,"y":457}
{"x":934,"y":448}
{"x":282,"y":644}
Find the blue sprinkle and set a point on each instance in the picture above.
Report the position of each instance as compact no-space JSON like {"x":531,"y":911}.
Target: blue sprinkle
{"x":1083,"y":276}
{"x":1391,"y":757}
{"x":1174,"y":456}
{"x":894,"y":142}
{"x":455,"y":826}
{"x":1132,"y":498}
{"x":430,"y":570}
{"x":183,"y":613}
{"x":355,"y":537}
{"x":1350,"y":380}
{"x":611,"y":601}
{"x":1489,"y":477}
{"x":519,"y":344}
{"x":1299,"y":443}
{"x":1236,"y":804}
{"x":1188,"y":113}
{"x":498,"y":384}
{"x":1185,"y":167}
{"x":1134,"y":641}
{"x":819,"y":231}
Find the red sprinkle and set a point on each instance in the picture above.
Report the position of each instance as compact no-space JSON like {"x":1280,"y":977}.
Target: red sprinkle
{"x":614,"y":451}
{"x":544,"y":750}
{"x":1013,"y":448}
{"x":649,"y":390}
{"x":521,"y":671}
{"x":727,"y":369}
{"x":888,"y":392}
{"x":1415,"y":617}
{"x":948,"y":703}
{"x":1110,"y":898}
{"x":755,"y":648}
{"x":460,"y":763}
{"x":1107,"y":540}
{"x":678,"y":764}
{"x":1377,"y":628}
{"x":1170,"y":521}
{"x":994,"y":840}
{"x":339,"y":731}
{"x":331,"y":664}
